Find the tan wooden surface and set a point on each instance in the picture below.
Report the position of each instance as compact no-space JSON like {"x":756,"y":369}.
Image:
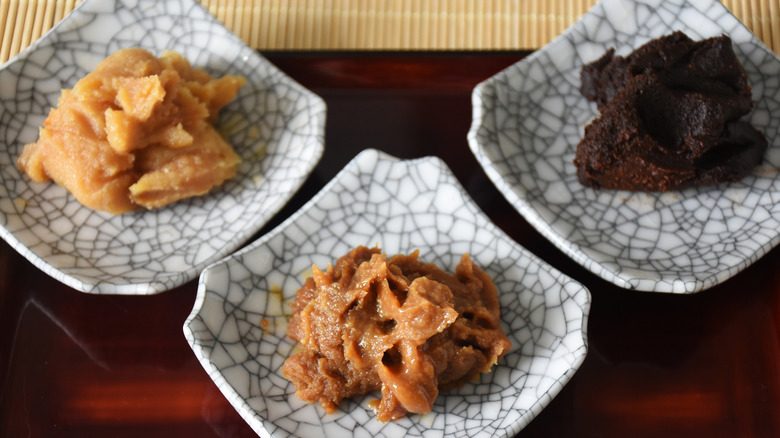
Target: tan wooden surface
{"x":378,"y":24}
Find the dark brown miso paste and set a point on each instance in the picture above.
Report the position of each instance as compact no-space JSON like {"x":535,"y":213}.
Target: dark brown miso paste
{"x":669,"y":117}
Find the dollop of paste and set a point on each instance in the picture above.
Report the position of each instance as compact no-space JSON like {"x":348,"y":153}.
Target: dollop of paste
{"x":394,"y":324}
{"x":136,"y":132}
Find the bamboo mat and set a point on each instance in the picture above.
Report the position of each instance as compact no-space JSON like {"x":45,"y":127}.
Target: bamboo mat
{"x":378,"y":24}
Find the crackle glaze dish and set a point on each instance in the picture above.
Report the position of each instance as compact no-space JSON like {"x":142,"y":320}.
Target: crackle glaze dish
{"x":529,"y":118}
{"x":275,"y":125}
{"x":237,"y":327}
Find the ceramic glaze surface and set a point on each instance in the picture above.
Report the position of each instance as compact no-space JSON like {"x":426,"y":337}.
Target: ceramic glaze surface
{"x":275,"y":125}
{"x":238,"y":325}
{"x":529,"y":119}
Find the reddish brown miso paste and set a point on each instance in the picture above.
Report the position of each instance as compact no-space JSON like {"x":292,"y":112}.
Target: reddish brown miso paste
{"x":397,"y":325}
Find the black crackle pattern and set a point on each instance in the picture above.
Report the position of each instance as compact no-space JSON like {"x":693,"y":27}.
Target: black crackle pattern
{"x":276,"y":126}
{"x":529,"y":119}
{"x":238,"y":325}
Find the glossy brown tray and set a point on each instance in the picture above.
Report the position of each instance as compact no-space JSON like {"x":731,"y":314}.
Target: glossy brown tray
{"x":75,"y":365}
{"x":442,"y":25}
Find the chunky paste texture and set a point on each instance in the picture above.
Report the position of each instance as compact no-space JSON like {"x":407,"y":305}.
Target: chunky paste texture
{"x":397,"y":325}
{"x":136,"y":132}
{"x":670,"y":117}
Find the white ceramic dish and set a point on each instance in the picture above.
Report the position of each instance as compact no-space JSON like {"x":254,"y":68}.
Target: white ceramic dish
{"x":276,"y":125}
{"x":237,"y":327}
{"x":529,"y":119}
